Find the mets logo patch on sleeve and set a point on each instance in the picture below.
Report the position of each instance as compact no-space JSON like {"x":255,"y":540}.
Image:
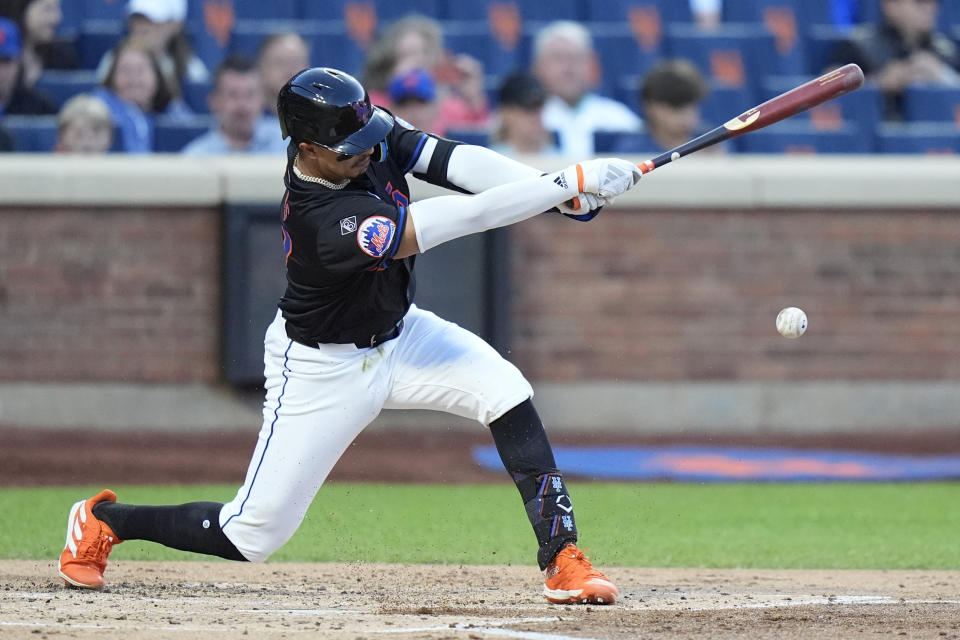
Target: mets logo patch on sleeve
{"x":375,"y":234}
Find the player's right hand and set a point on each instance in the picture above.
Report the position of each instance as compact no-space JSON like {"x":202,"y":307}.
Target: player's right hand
{"x":608,"y":177}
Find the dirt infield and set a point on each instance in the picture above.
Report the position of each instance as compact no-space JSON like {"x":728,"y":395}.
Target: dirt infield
{"x":160,"y":601}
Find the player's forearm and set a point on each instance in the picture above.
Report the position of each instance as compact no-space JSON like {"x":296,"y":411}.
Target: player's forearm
{"x":476,"y":169}
{"x":444,"y":218}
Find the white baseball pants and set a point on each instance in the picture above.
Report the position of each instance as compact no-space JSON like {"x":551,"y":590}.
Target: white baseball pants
{"x":319,"y":399}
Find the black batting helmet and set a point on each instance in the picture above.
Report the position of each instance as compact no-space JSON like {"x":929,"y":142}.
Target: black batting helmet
{"x":331,"y":109}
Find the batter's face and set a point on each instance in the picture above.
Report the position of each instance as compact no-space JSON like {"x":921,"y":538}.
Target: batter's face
{"x":332,"y":165}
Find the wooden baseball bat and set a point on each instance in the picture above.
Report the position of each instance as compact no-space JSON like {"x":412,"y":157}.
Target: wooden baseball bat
{"x":797,"y":100}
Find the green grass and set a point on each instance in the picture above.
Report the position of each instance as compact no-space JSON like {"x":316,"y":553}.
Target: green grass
{"x":844,"y":526}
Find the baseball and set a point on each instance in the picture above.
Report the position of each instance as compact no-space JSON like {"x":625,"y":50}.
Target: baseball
{"x":675,"y":155}
{"x":791,"y":322}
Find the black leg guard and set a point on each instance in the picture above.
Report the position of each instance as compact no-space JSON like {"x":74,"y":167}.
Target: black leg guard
{"x":526,"y":454}
{"x":194,"y":526}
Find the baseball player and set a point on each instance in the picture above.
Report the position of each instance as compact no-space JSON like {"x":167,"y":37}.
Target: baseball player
{"x":347,"y":340}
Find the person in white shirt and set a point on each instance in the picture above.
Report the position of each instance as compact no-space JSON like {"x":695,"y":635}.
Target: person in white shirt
{"x":237,"y":102}
{"x":566,"y":63}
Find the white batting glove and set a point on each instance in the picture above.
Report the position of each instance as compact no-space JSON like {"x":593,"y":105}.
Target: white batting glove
{"x":584,"y":203}
{"x":607,"y":177}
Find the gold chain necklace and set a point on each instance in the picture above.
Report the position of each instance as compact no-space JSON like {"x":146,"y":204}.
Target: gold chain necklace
{"x":326,"y":183}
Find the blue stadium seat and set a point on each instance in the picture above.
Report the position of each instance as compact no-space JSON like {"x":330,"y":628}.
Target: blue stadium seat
{"x":822,"y":41}
{"x":72,"y":18}
{"x":640,"y":14}
{"x":170,"y":136}
{"x":918,"y":137}
{"x":733,"y":56}
{"x":532,"y":10}
{"x":195,"y":95}
{"x":949,"y":16}
{"x":623,"y":58}
{"x":927,"y":103}
{"x":624,"y":142}
{"x":268,"y":10}
{"x":799,"y":137}
{"x":466,"y":136}
{"x":62,"y":85}
{"x":473,"y":38}
{"x":390,"y":10}
{"x":96,"y":37}
{"x":784,"y":20}
{"x":209,"y":23}
{"x":101,"y":9}
{"x":863,"y":106}
{"x":724,"y":103}
{"x":32,"y":134}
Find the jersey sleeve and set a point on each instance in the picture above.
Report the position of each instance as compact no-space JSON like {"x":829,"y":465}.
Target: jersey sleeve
{"x":359,"y":232}
{"x":407,"y":145}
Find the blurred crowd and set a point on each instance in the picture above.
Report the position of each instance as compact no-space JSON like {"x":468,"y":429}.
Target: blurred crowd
{"x":523,"y":77}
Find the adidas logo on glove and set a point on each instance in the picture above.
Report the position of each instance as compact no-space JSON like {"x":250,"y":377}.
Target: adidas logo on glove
{"x":561,"y":182}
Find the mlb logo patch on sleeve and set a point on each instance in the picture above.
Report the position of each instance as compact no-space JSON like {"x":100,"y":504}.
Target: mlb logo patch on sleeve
{"x":375,"y":234}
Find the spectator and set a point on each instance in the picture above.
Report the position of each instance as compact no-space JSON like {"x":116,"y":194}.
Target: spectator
{"x":413,"y":96}
{"x":237,"y":102}
{"x":280,"y":57}
{"x":158,"y":26}
{"x":902,"y":50}
{"x":38,"y":21}
{"x":417,"y":42}
{"x":15,"y":97}
{"x":134,"y":92}
{"x":566,"y":64}
{"x":519,"y":126}
{"x":670,"y":95}
{"x":84,"y":126}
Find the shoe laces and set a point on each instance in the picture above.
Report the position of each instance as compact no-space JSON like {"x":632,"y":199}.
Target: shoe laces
{"x":574,"y":561}
{"x":97,"y":550}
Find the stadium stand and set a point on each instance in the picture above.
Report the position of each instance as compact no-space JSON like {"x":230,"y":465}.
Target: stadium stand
{"x":641,"y":15}
{"x":616,"y":142}
{"x":480,"y":138}
{"x":95,"y":38}
{"x":763,"y":48}
{"x":170,"y":136}
{"x":32,"y":134}
{"x":798,"y":136}
{"x":62,"y":85}
{"x":863,"y":106}
{"x":918,"y":137}
{"x":936,"y":104}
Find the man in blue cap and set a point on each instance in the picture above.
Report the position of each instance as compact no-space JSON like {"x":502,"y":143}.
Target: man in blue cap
{"x":15,"y":98}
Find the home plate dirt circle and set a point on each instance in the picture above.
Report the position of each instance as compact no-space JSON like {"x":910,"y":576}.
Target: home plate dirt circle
{"x":156,"y":601}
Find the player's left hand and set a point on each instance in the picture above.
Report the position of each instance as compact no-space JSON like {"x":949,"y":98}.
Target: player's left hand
{"x":583,"y":208}
{"x":608,"y":177}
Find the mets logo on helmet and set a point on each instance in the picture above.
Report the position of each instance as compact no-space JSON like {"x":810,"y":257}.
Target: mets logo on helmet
{"x":375,"y":234}
{"x":363,"y":111}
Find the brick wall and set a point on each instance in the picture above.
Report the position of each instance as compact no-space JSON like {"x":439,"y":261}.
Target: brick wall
{"x":95,"y":294}
{"x":130,"y":294}
{"x":692,"y":295}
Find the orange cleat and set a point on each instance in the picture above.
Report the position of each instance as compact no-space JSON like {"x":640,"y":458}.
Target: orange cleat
{"x":571,"y":579}
{"x":89,"y":542}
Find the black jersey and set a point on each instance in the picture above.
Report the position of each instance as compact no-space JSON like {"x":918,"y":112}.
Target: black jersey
{"x":343,"y":284}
